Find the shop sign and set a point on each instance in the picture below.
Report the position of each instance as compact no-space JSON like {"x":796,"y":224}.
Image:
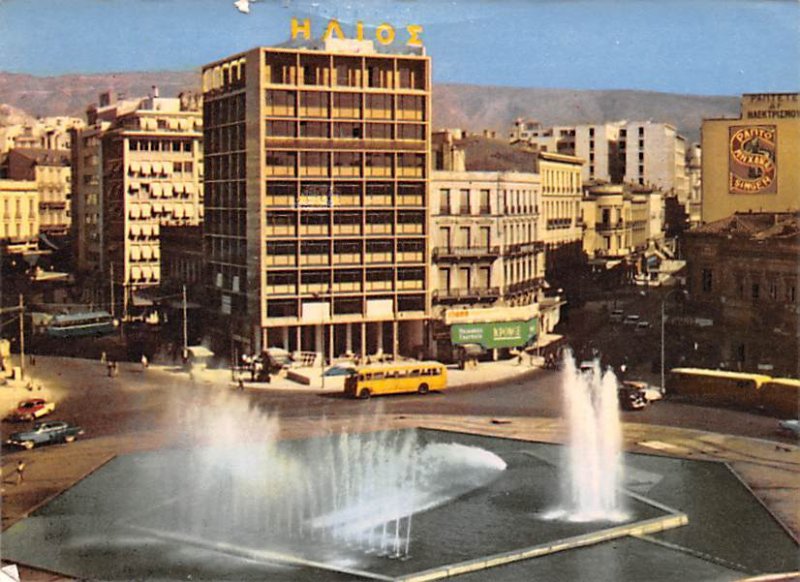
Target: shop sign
{"x":751,"y":160}
{"x":385,"y":33}
{"x":508,"y":334}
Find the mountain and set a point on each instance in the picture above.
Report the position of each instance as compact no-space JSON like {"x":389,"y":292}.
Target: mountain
{"x":476,"y":107}
{"x":470,"y":107}
{"x":71,"y":94}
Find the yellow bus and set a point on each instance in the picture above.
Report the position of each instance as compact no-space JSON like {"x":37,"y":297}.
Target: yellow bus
{"x":716,"y":387}
{"x":780,"y":397}
{"x":396,"y":378}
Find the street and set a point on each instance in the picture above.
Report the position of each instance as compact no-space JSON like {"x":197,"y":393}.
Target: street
{"x":140,"y":400}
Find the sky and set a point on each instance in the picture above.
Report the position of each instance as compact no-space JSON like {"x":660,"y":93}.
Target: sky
{"x":708,"y":47}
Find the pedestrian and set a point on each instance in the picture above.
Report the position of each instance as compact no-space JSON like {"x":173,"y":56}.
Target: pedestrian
{"x":145,"y":363}
{"x":103,"y":358}
{"x":20,"y":471}
{"x":110,"y":367}
{"x":241,"y":384}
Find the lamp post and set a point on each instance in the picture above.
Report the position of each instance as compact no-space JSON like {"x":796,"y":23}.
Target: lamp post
{"x":663,"y":335}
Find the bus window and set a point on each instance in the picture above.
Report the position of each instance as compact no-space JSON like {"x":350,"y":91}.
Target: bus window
{"x":415,"y":373}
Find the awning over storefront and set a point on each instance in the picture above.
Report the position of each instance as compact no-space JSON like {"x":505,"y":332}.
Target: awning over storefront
{"x":506,"y":334}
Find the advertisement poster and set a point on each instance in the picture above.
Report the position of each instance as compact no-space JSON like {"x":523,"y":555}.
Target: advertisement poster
{"x":399,"y":290}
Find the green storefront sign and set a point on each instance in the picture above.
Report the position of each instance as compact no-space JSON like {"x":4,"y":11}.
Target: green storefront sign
{"x":506,"y":334}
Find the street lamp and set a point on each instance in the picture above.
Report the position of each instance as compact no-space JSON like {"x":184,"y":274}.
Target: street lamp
{"x":663,"y":327}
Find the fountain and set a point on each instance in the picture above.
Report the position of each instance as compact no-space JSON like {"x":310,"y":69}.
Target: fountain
{"x":233,"y":501}
{"x":593,"y":473}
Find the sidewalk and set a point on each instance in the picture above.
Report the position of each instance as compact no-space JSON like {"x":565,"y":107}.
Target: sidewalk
{"x":485,"y":373}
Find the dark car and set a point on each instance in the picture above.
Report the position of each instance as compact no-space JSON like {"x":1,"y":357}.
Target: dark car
{"x":632,"y":396}
{"x":44,"y":433}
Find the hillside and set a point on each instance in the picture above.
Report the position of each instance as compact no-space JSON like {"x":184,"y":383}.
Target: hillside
{"x":470,"y":107}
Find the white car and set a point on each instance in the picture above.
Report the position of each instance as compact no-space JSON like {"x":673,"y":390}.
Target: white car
{"x":790,"y":427}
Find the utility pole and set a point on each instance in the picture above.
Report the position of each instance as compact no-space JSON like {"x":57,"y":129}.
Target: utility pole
{"x":185,"y":325}
{"x":111,"y":287}
{"x":21,"y":337}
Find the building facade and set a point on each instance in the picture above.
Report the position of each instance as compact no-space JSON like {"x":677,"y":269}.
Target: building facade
{"x":655,"y":156}
{"x":50,"y":133}
{"x":19,"y":215}
{"x":743,"y":280}
{"x":137,"y":166}
{"x":753,"y":163}
{"x":52,"y":172}
{"x":487,"y":248}
{"x":317,"y":198}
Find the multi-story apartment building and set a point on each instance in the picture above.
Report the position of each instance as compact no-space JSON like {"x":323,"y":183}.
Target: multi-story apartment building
{"x":52,"y":172}
{"x":655,"y":156}
{"x":753,"y":163}
{"x":50,"y":133}
{"x":136,"y":167}
{"x":561,"y":211}
{"x":19,"y":215}
{"x":644,"y":153}
{"x":488,"y":248}
{"x":317,"y":176}
{"x":743,"y":281}
{"x":693,"y":205}
{"x":621,"y":220}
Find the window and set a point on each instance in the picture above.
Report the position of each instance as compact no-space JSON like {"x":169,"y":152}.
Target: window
{"x":444,"y":201}
{"x":484,"y":202}
{"x":464,"y":202}
{"x":755,"y":290}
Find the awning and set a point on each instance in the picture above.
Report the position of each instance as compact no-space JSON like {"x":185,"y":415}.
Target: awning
{"x":134,"y":211}
{"x":136,"y":253}
{"x":156,"y":189}
{"x":146,"y":168}
{"x":136,"y":273}
{"x":189,"y":187}
{"x":189,"y":210}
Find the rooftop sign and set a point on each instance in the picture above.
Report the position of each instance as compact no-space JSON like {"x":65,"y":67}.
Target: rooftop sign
{"x":385,"y":33}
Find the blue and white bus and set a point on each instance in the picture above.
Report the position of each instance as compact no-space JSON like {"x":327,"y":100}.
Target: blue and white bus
{"x":82,"y":324}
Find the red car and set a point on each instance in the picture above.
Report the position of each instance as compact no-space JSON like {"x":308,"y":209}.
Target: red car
{"x":32,"y":409}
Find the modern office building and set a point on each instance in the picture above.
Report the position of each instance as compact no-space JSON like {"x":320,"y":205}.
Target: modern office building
{"x":136,"y":167}
{"x":753,"y":163}
{"x":52,"y":172}
{"x":596,"y":144}
{"x":317,"y":198}
{"x":655,"y":156}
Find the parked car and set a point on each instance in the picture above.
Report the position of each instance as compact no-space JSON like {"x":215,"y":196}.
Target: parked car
{"x":617,"y":316}
{"x":651,"y":393}
{"x":31,"y":409}
{"x":631,"y":396}
{"x":643,"y":325}
{"x":631,"y":320}
{"x":45,"y":432}
{"x":790,"y":428}
{"x":346,"y":369}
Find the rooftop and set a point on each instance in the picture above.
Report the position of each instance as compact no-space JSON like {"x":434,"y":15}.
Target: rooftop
{"x":756,"y":225}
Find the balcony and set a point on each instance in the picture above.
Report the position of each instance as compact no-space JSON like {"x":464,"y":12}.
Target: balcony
{"x":524,"y":286}
{"x":473,"y":294}
{"x":523,"y":249}
{"x":465,"y":253}
{"x":609,"y":227}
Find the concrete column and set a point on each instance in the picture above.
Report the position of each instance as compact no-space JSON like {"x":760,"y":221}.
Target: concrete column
{"x":348,"y":337}
{"x":494,"y":355}
{"x":285,"y":337}
{"x":379,"y":348}
{"x":331,"y":347}
{"x":318,"y":347}
{"x":363,"y":339}
{"x":395,"y":340}
{"x":299,"y":338}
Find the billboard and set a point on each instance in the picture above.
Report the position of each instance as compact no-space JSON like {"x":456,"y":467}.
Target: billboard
{"x":506,"y":334}
{"x":751,"y":159}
